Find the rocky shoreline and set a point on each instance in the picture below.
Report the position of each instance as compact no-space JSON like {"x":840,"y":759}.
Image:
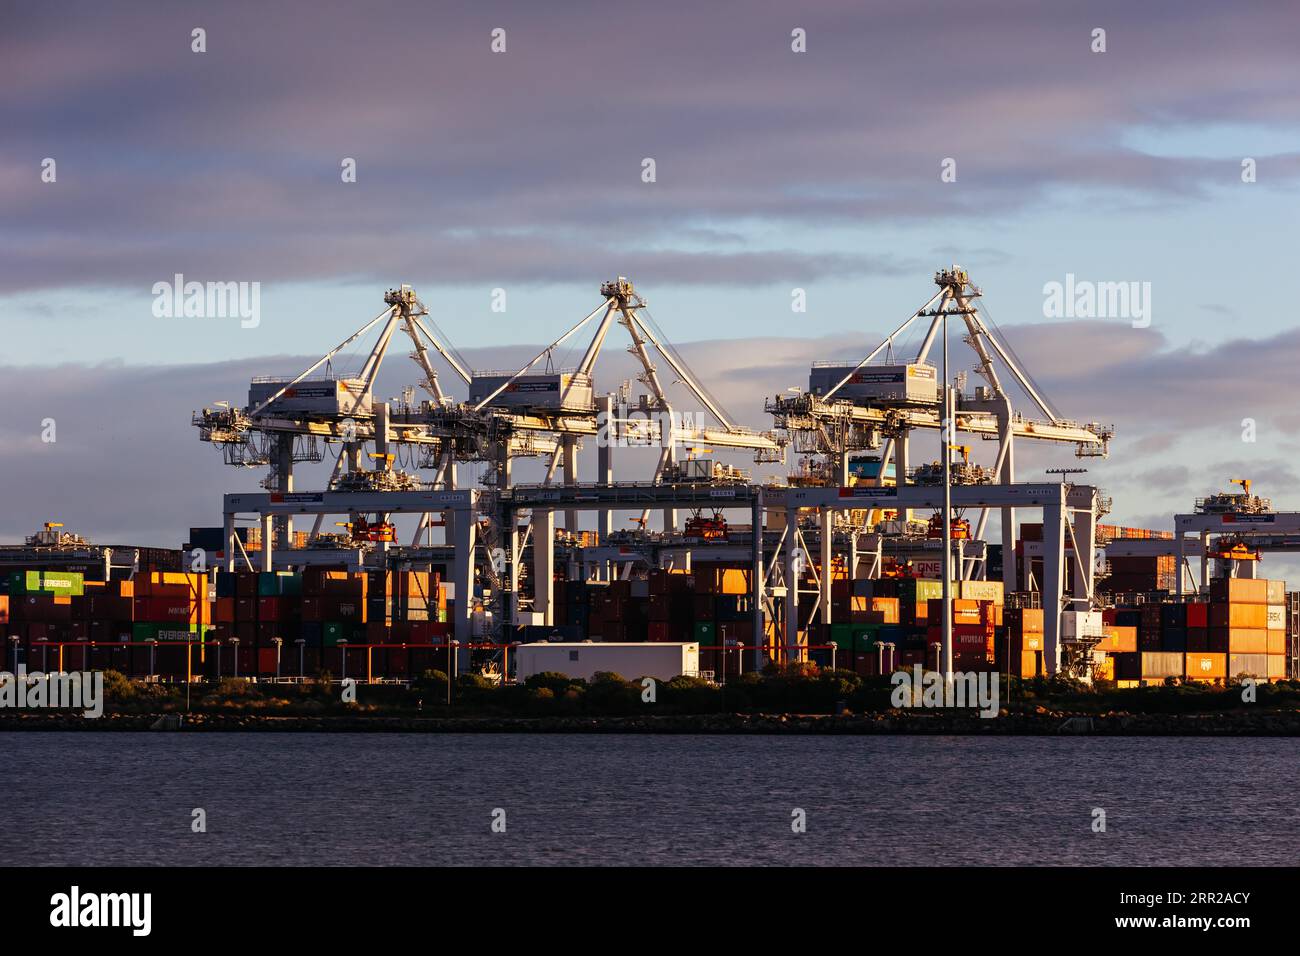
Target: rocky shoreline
{"x":1040,"y":723}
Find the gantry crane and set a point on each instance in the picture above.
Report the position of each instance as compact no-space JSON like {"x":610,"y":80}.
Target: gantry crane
{"x":524,"y":412}
{"x":854,"y":407}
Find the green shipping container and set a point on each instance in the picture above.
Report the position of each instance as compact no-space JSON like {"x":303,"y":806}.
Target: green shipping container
{"x":927,"y":588}
{"x":142,"y":631}
{"x":706,"y":633}
{"x":864,"y":636}
{"x":333,"y":632}
{"x":277,"y":583}
{"x":62,"y":583}
{"x":842,"y":636}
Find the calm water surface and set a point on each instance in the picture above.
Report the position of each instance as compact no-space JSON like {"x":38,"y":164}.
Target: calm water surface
{"x":371,"y":799}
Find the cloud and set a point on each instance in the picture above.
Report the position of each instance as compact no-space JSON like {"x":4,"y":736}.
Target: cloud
{"x":527,"y":164}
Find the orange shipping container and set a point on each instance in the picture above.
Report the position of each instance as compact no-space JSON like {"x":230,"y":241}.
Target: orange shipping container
{"x":1239,"y":590}
{"x":1027,"y":642}
{"x":1276,"y":642}
{"x":1030,"y":619}
{"x":1118,"y":640}
{"x":734,"y":581}
{"x":888,"y":607}
{"x":1247,"y":641}
{"x":1207,"y":666}
{"x":1239,"y":615}
{"x":1104,"y":669}
{"x":1030,"y":664}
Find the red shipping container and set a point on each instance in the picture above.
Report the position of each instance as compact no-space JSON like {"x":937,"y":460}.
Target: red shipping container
{"x":348,"y":609}
{"x":166,"y":610}
{"x":657,"y":608}
{"x":398,"y":662}
{"x":266,"y":661}
{"x":313,"y":608}
{"x":657,"y":631}
{"x":1198,"y":615}
{"x":268,"y":608}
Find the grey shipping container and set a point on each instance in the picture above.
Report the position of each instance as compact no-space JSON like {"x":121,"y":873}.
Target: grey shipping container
{"x":1253,"y":665}
{"x":567,"y":391}
{"x":900,"y":384}
{"x":326,"y":396}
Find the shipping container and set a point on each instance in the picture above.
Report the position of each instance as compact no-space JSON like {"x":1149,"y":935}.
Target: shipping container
{"x":64,"y":583}
{"x":1248,"y":665}
{"x":567,"y":390}
{"x":1158,"y":665}
{"x":324,"y":397}
{"x":1239,"y":615}
{"x":981,"y":591}
{"x":871,"y":384}
{"x":660,"y":661}
{"x":1240,"y":591}
{"x":1206,"y":666}
{"x":1117,"y":639}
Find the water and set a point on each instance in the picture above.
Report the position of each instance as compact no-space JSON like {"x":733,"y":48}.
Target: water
{"x":382,"y":799}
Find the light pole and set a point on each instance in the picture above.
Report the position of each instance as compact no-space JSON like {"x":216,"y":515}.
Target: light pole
{"x":278,"y":642}
{"x":949,"y":426}
{"x":13,"y":639}
{"x":343,"y":652}
{"x":302,"y":643}
{"x":218,"y":643}
{"x":450,"y":645}
{"x":235,"y":642}
{"x":45,"y":649}
{"x":153,"y":646}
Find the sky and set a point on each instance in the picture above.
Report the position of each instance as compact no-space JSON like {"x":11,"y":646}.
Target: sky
{"x":902,"y":138}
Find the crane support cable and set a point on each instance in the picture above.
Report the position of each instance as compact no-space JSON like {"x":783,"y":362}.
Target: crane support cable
{"x":1014,"y":363}
{"x":881,"y":347}
{"x":325,"y":358}
{"x":646,"y":324}
{"x":445,"y":349}
{"x":541,"y":355}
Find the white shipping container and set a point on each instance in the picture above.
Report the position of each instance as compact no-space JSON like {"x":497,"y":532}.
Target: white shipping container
{"x":1080,"y":624}
{"x":632,"y":661}
{"x":877,"y":383}
{"x":542,"y":390}
{"x":1157,"y":665}
{"x":328,"y":397}
{"x":1277,"y":617}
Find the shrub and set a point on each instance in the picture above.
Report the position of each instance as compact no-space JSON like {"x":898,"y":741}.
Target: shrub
{"x":611,"y":694}
{"x":690,"y":695}
{"x":554,"y":681}
{"x":118,"y":687}
{"x":540,"y":700}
